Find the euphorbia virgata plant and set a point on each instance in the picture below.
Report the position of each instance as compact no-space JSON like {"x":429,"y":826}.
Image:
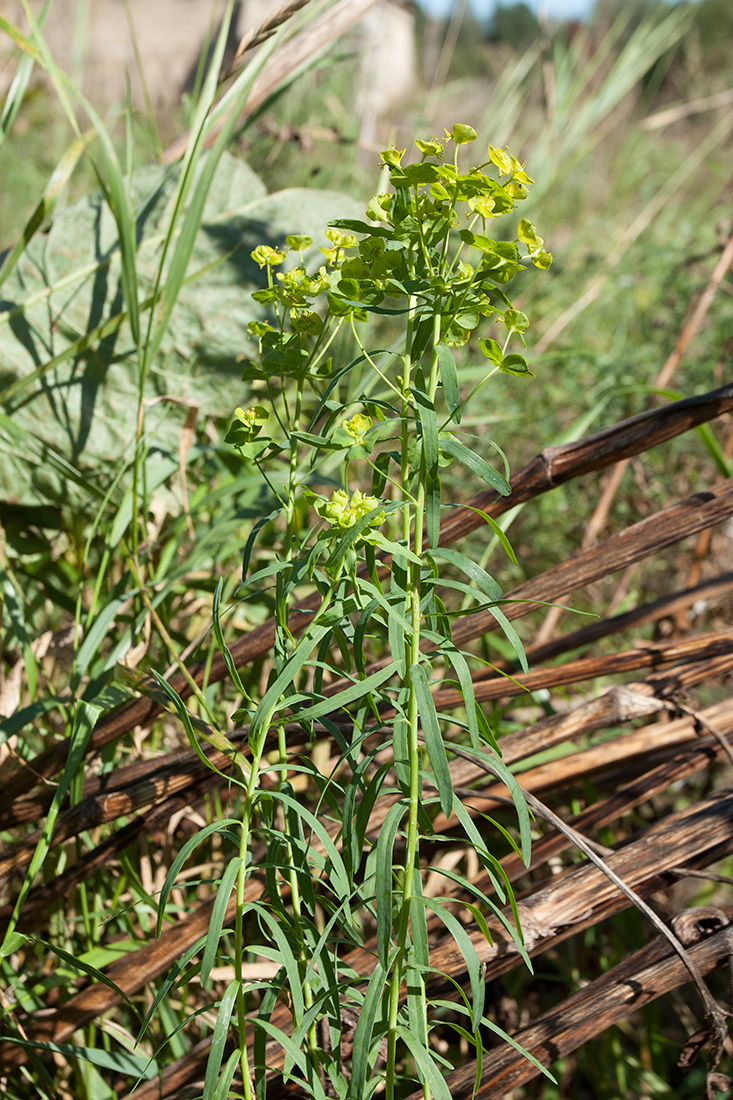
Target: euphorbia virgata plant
{"x":351,"y":446}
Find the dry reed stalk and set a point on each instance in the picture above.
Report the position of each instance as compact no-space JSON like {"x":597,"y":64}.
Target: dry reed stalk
{"x":666,"y":606}
{"x":703,"y":541}
{"x":638,"y":980}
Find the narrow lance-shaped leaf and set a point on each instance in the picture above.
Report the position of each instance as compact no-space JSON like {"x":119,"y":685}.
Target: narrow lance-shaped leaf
{"x":219,"y":636}
{"x":449,"y":381}
{"x":363,"y":1041}
{"x":465,"y":681}
{"x":500,"y":770}
{"x":476,"y":464}
{"x":470,"y":955}
{"x":471,"y":570}
{"x":168,"y":982}
{"x":219,"y":1038}
{"x":184,"y":853}
{"x":385,"y":869}
{"x":433,"y":736}
{"x":428,"y":1071}
{"x":218,"y":912}
{"x":115,"y":1061}
{"x":346,"y":697}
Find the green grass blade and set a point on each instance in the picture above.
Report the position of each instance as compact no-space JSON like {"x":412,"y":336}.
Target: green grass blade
{"x":86,"y":968}
{"x":85,"y":719}
{"x":116,"y":1061}
{"x":19,"y":85}
{"x":191,"y":221}
{"x":59,"y":178}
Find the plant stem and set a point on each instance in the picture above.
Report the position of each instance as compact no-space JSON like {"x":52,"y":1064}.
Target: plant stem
{"x":413,"y":656}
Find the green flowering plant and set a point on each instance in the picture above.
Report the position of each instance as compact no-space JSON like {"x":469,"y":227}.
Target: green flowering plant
{"x":351,"y":446}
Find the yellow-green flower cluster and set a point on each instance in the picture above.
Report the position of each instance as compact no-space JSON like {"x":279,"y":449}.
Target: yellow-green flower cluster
{"x":357,"y":428}
{"x":343,"y":511}
{"x":250,"y":420}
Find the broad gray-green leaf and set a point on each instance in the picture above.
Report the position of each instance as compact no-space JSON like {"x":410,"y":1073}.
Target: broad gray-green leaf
{"x":67,"y":282}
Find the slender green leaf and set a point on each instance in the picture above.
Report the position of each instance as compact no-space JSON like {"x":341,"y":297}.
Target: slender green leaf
{"x":349,"y":695}
{"x":465,"y":683}
{"x":470,"y":569}
{"x":429,"y":1072}
{"x":385,"y":869}
{"x":182,"y":856}
{"x":223,"y":647}
{"x":59,"y":178}
{"x":470,"y":955}
{"x":511,"y":634}
{"x":363,"y":1036}
{"x":298,"y":1057}
{"x":259,"y":1044}
{"x":433,"y":736}
{"x":19,"y":84}
{"x":219,"y":1038}
{"x":340,"y":880}
{"x":223,"y":1086}
{"x":218,"y":912}
{"x":476,"y":465}
{"x":116,"y":1061}
{"x":495,"y":527}
{"x":77,"y":963}
{"x":499,"y":769}
{"x":86,"y":716}
{"x":449,"y":381}
{"x":518,"y":1047}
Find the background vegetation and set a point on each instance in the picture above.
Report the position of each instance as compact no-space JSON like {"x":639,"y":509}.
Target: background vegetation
{"x":121,"y":506}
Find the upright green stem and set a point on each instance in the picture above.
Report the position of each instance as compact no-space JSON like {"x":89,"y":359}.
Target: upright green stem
{"x":413,"y":615}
